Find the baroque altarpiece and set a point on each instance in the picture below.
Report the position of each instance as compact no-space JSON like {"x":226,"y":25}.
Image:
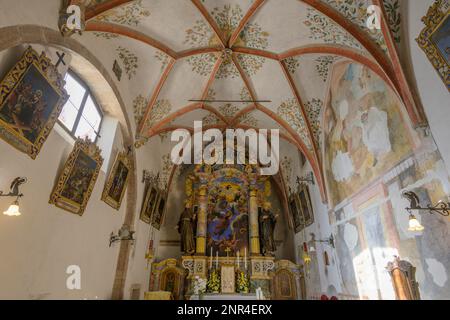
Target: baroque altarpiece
{"x":227,"y":239}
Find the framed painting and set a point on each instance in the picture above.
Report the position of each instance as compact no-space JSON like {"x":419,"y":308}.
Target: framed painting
{"x":304,"y":199}
{"x":435,"y":38}
{"x":117,"y":181}
{"x":296,"y":213}
{"x":77,"y":180}
{"x":149,"y":203}
{"x":32,"y":96}
{"x":158,"y":213}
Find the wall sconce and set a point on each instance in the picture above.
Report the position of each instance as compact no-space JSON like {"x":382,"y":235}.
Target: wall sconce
{"x":13,"y":210}
{"x":309,"y":178}
{"x":442,"y":208}
{"x":329,"y":241}
{"x":124,"y":235}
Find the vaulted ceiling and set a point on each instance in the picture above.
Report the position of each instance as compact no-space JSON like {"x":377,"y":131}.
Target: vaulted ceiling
{"x":277,"y":51}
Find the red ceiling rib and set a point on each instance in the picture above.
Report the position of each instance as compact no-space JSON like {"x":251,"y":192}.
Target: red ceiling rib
{"x":155,"y":95}
{"x":389,"y":68}
{"x":212,"y":23}
{"x":251,"y":12}
{"x":416,"y":113}
{"x":322,"y":49}
{"x":211,"y":78}
{"x":197,"y":51}
{"x":241,"y":113}
{"x":392,"y":74}
{"x":185,"y":110}
{"x":98,"y":9}
{"x":304,"y":114}
{"x":97,"y":26}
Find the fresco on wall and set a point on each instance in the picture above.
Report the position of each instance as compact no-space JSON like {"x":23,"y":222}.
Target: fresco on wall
{"x":370,"y":161}
{"x":364,"y":131}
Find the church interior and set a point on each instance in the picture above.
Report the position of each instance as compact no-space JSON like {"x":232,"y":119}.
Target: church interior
{"x":94,"y":207}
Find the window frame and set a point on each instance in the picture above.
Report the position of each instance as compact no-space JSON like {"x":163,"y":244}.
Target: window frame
{"x":87,"y":93}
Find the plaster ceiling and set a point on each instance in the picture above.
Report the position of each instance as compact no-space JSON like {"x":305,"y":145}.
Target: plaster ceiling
{"x":172,"y":51}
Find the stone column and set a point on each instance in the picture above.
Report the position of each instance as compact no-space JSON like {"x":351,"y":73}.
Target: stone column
{"x":202,"y":219}
{"x":254,"y":223}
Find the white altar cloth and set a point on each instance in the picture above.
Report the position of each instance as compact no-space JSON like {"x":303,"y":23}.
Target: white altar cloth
{"x":250,"y":296}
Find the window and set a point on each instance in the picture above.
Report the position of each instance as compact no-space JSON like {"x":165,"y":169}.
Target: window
{"x":81,"y":116}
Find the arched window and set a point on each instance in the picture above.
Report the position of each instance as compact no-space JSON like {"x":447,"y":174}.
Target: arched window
{"x":81,"y":115}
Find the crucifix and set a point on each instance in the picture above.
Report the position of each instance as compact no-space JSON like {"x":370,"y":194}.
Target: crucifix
{"x":228,"y":250}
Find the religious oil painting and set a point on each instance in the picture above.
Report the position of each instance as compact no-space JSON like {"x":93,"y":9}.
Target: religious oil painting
{"x":228,"y":214}
{"x":365,"y":133}
{"x":158,"y":213}
{"x":77,"y":181}
{"x":32,"y":96}
{"x":296,"y":213}
{"x":304,"y":198}
{"x":116,"y":184}
{"x":435,"y":38}
{"x":149,"y":203}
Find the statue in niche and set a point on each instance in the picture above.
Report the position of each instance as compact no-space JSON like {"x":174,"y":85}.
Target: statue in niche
{"x":267,"y":222}
{"x":186,"y":227}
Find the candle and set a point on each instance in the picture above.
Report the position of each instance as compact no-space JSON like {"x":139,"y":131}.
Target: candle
{"x":238,"y":259}
{"x":245,"y":259}
{"x":217,"y":260}
{"x":211,"y":259}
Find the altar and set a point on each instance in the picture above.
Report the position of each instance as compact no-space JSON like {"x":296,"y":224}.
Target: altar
{"x":250,"y":296}
{"x":227,"y":240}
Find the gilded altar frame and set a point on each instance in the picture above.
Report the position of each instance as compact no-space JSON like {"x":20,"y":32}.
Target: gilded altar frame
{"x":124,"y":160}
{"x":44,"y":67}
{"x":57,"y":198}
{"x":437,"y":17}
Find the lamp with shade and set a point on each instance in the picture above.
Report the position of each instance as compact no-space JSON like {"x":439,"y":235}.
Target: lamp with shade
{"x":14,"y":210}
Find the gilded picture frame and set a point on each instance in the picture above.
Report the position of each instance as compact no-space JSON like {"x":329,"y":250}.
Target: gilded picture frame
{"x":434,"y":38}
{"x":117,"y":182}
{"x":158,"y":213}
{"x":304,"y":198}
{"x":32,"y":96}
{"x":77,"y":180}
{"x":149,"y":203}
{"x":296,"y":214}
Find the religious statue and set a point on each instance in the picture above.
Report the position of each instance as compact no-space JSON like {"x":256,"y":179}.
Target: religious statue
{"x":267,"y":222}
{"x":186,"y":227}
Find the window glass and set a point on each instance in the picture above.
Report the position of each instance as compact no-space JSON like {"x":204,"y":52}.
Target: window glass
{"x":80,"y":115}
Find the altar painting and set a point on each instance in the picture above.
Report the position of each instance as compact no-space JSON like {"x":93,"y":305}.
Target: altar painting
{"x":228,"y":216}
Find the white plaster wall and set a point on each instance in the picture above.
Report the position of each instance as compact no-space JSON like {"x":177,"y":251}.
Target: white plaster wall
{"x":321,"y":277}
{"x":148,"y":158}
{"x":38,"y":246}
{"x":433,"y":93}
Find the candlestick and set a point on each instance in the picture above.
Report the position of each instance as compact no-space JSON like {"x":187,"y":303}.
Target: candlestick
{"x":217,"y":260}
{"x":245,"y":259}
{"x":211,"y":259}
{"x":238,"y":260}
